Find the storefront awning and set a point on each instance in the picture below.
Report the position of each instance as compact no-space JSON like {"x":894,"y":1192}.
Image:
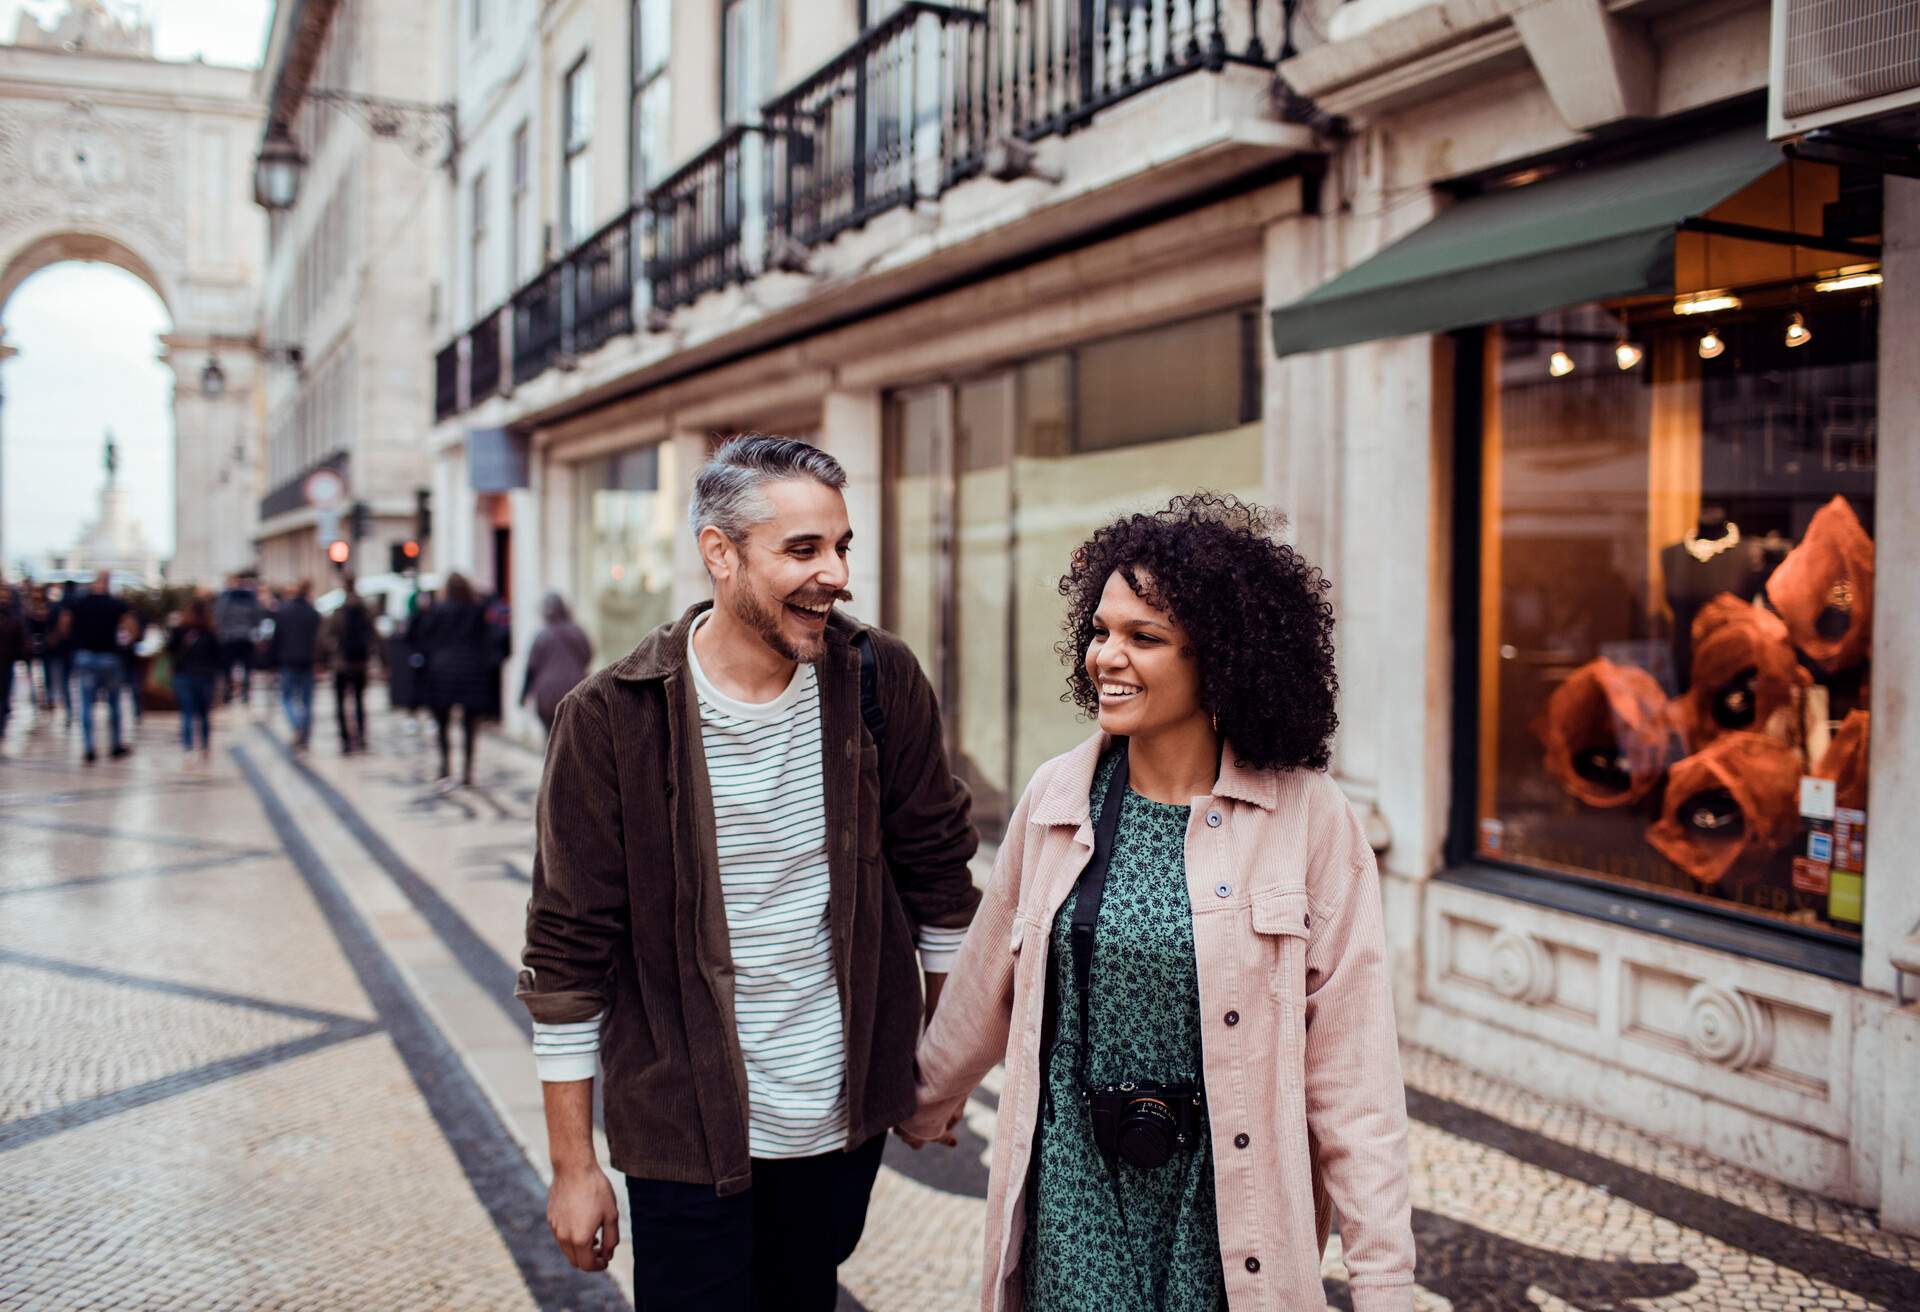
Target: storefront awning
{"x":1605,"y":231}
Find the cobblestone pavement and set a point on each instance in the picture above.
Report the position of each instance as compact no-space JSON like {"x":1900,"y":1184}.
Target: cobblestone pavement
{"x":261,"y":1051}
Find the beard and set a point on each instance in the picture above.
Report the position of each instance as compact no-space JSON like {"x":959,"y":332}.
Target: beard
{"x":763,"y":617}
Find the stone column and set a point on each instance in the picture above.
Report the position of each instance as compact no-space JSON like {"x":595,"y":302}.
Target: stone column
{"x":852,"y":427}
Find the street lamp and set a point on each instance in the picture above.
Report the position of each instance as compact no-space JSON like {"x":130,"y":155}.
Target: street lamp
{"x":276,"y":171}
{"x":213,"y":379}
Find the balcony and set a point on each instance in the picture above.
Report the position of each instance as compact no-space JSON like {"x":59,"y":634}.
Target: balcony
{"x":447,"y":400}
{"x":913,"y":107}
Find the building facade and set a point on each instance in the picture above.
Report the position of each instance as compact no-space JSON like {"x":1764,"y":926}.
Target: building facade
{"x":1568,"y":375}
{"x":350,"y":287}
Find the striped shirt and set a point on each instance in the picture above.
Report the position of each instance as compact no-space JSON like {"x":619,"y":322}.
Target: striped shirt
{"x":770,"y":830}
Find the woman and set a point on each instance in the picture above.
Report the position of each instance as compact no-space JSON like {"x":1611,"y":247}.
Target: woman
{"x":196,"y":654}
{"x":1198,"y":1033}
{"x":558,"y":660}
{"x":461,"y":670}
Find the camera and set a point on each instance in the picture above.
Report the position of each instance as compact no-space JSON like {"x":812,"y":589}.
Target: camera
{"x":1144,"y":1124}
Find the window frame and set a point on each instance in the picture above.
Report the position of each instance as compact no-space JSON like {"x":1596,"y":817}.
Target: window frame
{"x":520,"y":183}
{"x":641,"y":80}
{"x":477,"y":234}
{"x":575,"y":152}
{"x":1728,"y":928}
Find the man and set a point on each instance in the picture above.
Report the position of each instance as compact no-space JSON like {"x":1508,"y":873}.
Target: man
{"x":296,"y":639}
{"x":236,"y":615}
{"x":13,"y":647}
{"x":94,"y":630}
{"x":346,"y":640}
{"x":736,"y":861}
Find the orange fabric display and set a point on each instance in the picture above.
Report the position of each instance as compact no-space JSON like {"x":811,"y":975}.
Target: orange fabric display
{"x":1824,"y":589}
{"x":1739,"y":796}
{"x":1845,"y":762}
{"x":1745,"y":673}
{"x":1606,"y":733}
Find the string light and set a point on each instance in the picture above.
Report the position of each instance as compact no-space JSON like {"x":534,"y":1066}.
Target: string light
{"x":1706,"y":303}
{"x":1627,"y":355}
{"x":1559,"y":364}
{"x":1798,"y":334}
{"x":1846,"y":280}
{"x":1711,"y":345}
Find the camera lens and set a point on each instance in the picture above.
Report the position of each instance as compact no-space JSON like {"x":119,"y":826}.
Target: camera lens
{"x":1149,"y":1133}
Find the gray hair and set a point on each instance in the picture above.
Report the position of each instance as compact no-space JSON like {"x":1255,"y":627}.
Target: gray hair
{"x":727,"y":492}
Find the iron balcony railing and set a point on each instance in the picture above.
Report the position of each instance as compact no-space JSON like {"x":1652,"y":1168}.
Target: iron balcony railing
{"x":486,"y":346}
{"x":911,"y":108}
{"x":891,"y":119}
{"x":699,"y":213}
{"x":447,"y":400}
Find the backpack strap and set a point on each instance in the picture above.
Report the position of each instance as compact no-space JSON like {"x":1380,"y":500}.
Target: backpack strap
{"x":870,"y":688}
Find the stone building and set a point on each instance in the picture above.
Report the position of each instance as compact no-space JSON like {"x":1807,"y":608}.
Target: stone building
{"x":1565,"y":370}
{"x":349,"y":286}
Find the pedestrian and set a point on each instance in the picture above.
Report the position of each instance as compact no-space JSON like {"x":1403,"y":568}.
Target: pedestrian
{"x":196,"y":653}
{"x":736,"y":861}
{"x":13,"y":648}
{"x":1197,"y":1020}
{"x":295,"y":643}
{"x":236,"y":620}
{"x":462,"y":673}
{"x":96,"y":618}
{"x":131,"y":664}
{"x":558,"y":660}
{"x":346,"y":644}
{"x":52,"y":621}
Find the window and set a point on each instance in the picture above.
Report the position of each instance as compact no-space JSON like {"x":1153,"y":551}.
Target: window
{"x":576,"y":194}
{"x":626,"y":521}
{"x":1676,"y":558}
{"x":746,"y":59}
{"x":991,"y":483}
{"x":479,"y":294}
{"x":517,"y":216}
{"x":652,"y":46}
{"x":479,"y":15}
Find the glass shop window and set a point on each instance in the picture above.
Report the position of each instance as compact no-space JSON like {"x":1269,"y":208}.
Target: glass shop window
{"x":1677,"y":553}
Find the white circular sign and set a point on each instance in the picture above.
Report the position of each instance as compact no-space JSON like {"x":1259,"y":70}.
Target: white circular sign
{"x":325,"y":489}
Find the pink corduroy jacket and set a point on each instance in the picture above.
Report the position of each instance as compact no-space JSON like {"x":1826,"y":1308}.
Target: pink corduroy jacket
{"x":1299,"y":1050}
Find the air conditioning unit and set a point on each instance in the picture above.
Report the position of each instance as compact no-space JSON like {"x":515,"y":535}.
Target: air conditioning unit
{"x":1844,"y":63}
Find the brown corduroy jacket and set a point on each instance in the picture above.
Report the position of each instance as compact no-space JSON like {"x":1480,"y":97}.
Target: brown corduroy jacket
{"x":627,"y":914}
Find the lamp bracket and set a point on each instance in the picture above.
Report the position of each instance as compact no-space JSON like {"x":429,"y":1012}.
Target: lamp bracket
{"x":425,"y":129}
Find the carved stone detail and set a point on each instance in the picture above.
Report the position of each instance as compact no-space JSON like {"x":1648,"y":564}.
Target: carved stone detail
{"x":1522,"y":967}
{"x":1726,"y":1026}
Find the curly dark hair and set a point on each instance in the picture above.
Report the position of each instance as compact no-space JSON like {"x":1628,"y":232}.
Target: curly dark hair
{"x":1258,"y":622}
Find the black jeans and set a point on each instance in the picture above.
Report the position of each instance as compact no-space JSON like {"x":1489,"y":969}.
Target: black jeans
{"x":236,"y":651}
{"x":351,"y":684}
{"x":777,"y":1246}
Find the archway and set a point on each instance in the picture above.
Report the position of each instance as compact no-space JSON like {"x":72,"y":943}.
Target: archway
{"x":112,"y":157}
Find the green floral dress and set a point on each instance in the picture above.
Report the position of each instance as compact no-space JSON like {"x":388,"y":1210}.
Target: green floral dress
{"x":1160,"y":1247}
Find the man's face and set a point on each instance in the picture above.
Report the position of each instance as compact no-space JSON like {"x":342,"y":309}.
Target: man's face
{"x":783,"y":580}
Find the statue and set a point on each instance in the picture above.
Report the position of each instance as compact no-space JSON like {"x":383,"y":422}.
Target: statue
{"x":112,"y":457}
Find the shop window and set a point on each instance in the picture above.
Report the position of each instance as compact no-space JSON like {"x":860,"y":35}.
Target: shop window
{"x":625,"y":528}
{"x":1676,"y":554}
{"x":994,"y":479}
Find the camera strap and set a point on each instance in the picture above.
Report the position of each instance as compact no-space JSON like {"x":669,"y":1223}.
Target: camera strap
{"x":1092,"y":886}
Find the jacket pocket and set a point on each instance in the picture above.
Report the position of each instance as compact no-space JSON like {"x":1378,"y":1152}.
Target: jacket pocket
{"x":1283,"y":926}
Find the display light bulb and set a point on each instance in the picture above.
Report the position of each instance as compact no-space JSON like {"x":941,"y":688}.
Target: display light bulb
{"x":1798,"y":334}
{"x":1706,"y":303}
{"x":1560,"y":364}
{"x":1627,"y":355}
{"x":1711,"y":346}
{"x":1854,"y":276}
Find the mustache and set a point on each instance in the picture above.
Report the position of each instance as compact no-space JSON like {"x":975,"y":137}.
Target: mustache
{"x":816,"y":598}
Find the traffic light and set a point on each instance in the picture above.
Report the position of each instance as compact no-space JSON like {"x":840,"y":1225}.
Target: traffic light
{"x":339,"y":551}
{"x":358,"y":520}
{"x":403,"y":556}
{"x":422,"y":513}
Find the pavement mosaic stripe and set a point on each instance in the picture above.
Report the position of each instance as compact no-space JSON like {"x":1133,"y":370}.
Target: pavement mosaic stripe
{"x":1840,"y":1265}
{"x":499,"y":1173}
{"x":197,"y":992}
{"x":31,"y":1129}
{"x":150,"y":872}
{"x":84,"y":830}
{"x":494,"y":975}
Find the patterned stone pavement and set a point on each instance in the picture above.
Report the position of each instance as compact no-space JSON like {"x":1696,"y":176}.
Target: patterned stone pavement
{"x":261,"y":1051}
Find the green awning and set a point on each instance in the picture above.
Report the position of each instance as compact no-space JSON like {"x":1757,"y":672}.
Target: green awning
{"x":1605,"y":231}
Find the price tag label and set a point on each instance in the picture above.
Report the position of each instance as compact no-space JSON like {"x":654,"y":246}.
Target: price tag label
{"x":1816,"y":798}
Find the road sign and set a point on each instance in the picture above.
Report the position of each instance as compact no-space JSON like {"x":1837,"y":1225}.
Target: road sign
{"x":325,"y":489}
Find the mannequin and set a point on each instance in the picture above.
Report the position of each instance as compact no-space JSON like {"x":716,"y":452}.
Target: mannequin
{"x":1711,"y":560}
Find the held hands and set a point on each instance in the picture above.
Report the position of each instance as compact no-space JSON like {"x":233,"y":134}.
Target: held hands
{"x":583,"y":1217}
{"x":946,"y":1138}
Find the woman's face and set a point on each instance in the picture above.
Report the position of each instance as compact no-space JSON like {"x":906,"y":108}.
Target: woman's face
{"x":1139,"y":663}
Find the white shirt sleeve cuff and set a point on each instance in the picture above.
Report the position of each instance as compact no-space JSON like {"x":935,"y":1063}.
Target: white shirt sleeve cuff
{"x":563,"y":1053}
{"x":939,"y":945}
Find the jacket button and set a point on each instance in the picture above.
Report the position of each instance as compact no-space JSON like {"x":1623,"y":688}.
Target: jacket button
{"x":1213,"y":819}
{"x":1241,"y":1141}
{"x":1253,"y":1265}
{"x":1223,"y":890}
{"x":1232,"y":1018}
{"x":1306,"y":920}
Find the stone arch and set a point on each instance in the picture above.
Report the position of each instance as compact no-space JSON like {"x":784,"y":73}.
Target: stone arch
{"x":62,"y":244}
